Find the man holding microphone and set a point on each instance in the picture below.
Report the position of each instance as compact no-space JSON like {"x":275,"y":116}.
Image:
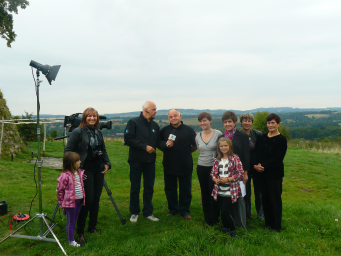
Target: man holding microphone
{"x":178,"y":164}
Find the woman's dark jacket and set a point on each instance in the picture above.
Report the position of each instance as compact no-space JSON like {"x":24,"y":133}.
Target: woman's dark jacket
{"x":270,"y":154}
{"x":79,"y":143}
{"x":241,"y":148}
{"x":255,"y":135}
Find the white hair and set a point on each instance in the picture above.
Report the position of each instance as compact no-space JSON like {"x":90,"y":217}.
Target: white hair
{"x":145,"y":105}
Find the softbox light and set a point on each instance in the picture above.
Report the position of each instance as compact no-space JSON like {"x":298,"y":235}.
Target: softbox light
{"x":49,"y":72}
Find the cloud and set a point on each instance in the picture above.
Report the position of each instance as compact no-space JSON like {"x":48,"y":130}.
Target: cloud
{"x":114,"y":55}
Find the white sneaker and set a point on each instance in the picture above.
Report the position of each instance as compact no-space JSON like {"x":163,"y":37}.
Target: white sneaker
{"x":74,"y":243}
{"x":152,"y":218}
{"x":134,"y":218}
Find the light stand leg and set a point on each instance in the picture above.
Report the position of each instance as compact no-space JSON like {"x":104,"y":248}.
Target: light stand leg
{"x":55,"y":237}
{"x":39,"y":215}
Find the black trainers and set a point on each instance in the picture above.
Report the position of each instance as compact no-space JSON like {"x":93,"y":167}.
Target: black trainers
{"x":92,"y":230}
{"x":82,"y":239}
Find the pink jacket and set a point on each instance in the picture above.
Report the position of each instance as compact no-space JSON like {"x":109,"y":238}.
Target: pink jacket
{"x":66,"y":189}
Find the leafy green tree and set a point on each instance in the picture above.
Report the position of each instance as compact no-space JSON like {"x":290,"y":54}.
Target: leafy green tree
{"x":28,"y":132}
{"x":54,"y":134}
{"x":284,"y":130}
{"x":259,"y":123}
{"x":7,"y":7}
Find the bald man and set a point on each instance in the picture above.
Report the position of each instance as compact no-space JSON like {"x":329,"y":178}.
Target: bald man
{"x":142,"y":135}
{"x":178,"y":164}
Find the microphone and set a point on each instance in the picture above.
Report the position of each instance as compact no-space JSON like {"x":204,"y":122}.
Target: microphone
{"x":172,"y":137}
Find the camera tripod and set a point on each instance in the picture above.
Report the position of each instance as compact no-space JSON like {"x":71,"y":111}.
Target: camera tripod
{"x":123,"y":220}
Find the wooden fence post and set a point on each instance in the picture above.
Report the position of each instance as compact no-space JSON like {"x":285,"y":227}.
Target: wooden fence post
{"x":2,"y":134}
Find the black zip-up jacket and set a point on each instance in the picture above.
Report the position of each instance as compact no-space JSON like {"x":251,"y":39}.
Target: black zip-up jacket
{"x":138,"y":134}
{"x":178,"y":160}
{"x":79,"y":143}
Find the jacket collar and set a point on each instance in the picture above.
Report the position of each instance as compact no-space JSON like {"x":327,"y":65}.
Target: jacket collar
{"x":180,"y":126}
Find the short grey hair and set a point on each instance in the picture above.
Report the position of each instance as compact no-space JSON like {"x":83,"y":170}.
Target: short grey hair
{"x":246,"y":116}
{"x":145,"y":105}
{"x":175,"y":110}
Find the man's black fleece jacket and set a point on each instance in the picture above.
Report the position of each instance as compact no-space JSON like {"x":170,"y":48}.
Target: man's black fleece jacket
{"x":138,"y":134}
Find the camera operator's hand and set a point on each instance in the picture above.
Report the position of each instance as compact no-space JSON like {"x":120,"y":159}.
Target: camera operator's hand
{"x":150,"y":149}
{"x":106,"y":169}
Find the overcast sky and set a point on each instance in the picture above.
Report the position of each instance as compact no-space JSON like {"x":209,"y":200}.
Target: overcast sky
{"x":114,"y":55}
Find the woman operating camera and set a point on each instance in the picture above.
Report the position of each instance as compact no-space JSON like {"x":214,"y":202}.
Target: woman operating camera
{"x":87,"y":141}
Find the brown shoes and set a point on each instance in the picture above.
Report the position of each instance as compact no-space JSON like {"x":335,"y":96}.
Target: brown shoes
{"x":169,"y":214}
{"x":187,"y":217}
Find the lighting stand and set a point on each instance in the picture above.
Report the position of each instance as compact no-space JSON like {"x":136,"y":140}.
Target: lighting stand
{"x":41,"y":216}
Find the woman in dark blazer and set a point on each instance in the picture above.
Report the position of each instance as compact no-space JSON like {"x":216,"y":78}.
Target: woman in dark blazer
{"x":240,"y":142}
{"x":246,"y":120}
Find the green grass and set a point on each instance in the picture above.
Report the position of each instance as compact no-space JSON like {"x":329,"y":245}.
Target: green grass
{"x":311,"y":203}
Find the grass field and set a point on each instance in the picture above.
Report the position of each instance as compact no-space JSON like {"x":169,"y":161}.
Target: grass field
{"x":311,"y":206}
{"x":317,"y":115}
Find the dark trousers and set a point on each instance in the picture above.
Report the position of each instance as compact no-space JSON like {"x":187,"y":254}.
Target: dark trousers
{"x":137,"y":169}
{"x":93,"y":185}
{"x":225,"y":205}
{"x":71,"y":218}
{"x":272,"y":202}
{"x":258,"y":196}
{"x":178,"y":205}
{"x":210,"y":207}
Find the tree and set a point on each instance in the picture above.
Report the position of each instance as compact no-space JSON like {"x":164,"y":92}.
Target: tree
{"x":283,"y":129}
{"x":28,"y":132}
{"x":6,"y":18}
{"x":259,"y":123}
{"x":54,"y":133}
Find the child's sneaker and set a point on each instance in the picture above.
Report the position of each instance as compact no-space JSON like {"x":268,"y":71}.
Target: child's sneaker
{"x":74,"y":243}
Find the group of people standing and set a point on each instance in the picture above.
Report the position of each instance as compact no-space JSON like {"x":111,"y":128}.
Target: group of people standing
{"x":227,"y":162}
{"x":226,"y":165}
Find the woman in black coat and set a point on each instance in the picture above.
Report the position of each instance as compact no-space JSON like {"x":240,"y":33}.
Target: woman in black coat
{"x":246,"y":120}
{"x":271,"y":150}
{"x":87,"y":140}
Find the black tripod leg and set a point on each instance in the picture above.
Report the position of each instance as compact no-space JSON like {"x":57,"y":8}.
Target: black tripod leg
{"x":54,"y":214}
{"x":123,"y":220}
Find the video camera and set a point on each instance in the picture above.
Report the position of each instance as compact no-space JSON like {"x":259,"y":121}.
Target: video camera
{"x":74,"y":121}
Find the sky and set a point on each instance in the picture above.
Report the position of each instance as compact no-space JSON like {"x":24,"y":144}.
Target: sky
{"x":116,"y":54}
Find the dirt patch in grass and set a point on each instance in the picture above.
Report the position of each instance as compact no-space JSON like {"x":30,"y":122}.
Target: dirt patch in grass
{"x":307,"y":190}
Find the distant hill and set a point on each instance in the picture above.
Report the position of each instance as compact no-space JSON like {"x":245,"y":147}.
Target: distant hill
{"x":221,"y":111}
{"x":212,"y":112}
